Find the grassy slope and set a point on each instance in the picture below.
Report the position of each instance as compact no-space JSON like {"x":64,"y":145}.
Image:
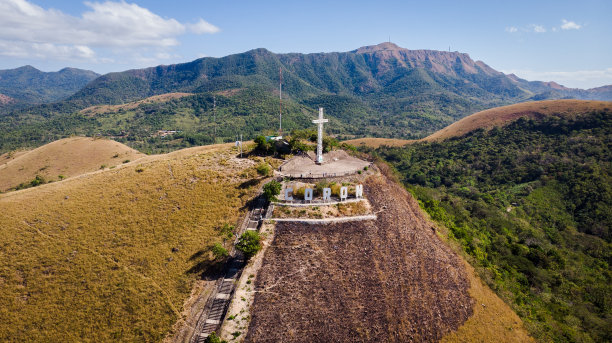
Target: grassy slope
{"x":378,"y":142}
{"x":500,"y":116}
{"x":101,"y":109}
{"x":90,"y":258}
{"x":495,"y":117}
{"x":67,"y":157}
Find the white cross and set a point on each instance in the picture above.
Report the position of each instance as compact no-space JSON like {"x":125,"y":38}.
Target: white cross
{"x":320,"y":122}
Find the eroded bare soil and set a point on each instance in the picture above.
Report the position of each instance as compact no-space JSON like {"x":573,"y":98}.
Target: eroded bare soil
{"x":389,"y":280}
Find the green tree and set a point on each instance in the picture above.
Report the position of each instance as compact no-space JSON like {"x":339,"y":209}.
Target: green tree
{"x":261,"y":144}
{"x":219,"y":251}
{"x":213,"y":338}
{"x":249,"y":243}
{"x":271,"y":190}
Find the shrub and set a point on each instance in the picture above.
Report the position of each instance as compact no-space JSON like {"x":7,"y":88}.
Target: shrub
{"x":219,"y":251}
{"x":227,"y":230}
{"x":213,"y":338}
{"x":271,"y":190}
{"x":249,"y":243}
{"x":263,"y":169}
{"x":38,"y":180}
{"x":262,"y":145}
{"x":126,"y":161}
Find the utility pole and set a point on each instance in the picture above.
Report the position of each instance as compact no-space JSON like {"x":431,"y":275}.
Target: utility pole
{"x":280,"y":103}
{"x":215,"y":115}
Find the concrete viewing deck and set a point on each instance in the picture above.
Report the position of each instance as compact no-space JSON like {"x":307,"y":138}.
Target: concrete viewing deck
{"x":335,"y":163}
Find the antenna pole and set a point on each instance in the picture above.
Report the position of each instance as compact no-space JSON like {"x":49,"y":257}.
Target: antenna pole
{"x":215,"y":114}
{"x":280,"y":103}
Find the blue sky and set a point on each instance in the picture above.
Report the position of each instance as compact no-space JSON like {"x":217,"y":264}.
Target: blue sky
{"x":565,"y":41}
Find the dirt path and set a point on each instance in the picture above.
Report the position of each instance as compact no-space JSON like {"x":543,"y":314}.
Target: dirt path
{"x":388,"y":280}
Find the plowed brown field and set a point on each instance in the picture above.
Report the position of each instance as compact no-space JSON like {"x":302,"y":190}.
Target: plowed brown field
{"x":388,"y":280}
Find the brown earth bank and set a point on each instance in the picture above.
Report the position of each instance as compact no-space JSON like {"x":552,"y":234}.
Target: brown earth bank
{"x":388,"y":280}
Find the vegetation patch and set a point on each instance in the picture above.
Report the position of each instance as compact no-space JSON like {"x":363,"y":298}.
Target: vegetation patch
{"x":531,"y":204}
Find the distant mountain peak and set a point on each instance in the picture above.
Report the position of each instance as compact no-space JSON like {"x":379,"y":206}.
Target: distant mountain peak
{"x":386,"y":46}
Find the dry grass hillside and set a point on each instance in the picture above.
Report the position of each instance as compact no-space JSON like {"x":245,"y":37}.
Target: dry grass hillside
{"x":500,"y":116}
{"x":378,"y":142}
{"x":66,"y":157}
{"x":113,"y":255}
{"x":100,"y":109}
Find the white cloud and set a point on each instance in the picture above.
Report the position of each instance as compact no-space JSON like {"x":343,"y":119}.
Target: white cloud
{"x":572,"y":79}
{"x":203,"y":27}
{"x":511,"y":29}
{"x":46,"y":50}
{"x":570,"y":25}
{"x":538,"y":28}
{"x":30,"y":30}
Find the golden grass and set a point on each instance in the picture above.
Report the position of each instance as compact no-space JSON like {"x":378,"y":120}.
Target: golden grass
{"x":378,"y":142}
{"x":500,"y":116}
{"x":101,"y":109}
{"x":492,"y":321}
{"x":67,"y":157}
{"x":91,"y":258}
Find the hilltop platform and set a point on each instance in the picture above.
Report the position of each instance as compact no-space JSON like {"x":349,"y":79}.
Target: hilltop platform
{"x":335,"y":163}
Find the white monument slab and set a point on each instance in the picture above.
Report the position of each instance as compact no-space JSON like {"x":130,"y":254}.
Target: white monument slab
{"x":343,"y":193}
{"x":288,"y":191}
{"x":326,"y":194}
{"x":308,"y":194}
{"x":359,"y":191}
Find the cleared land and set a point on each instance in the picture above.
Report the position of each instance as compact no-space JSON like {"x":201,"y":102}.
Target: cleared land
{"x":113,"y":255}
{"x":101,"y":109}
{"x":66,"y":157}
{"x":389,"y":280}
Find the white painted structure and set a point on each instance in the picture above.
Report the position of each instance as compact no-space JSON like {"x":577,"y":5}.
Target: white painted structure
{"x":320,"y":122}
{"x":308,"y":194}
{"x":343,"y":193}
{"x":326,"y":194}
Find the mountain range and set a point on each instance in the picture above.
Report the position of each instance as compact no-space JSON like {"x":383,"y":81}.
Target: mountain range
{"x":28,"y":85}
{"x":381,"y":90}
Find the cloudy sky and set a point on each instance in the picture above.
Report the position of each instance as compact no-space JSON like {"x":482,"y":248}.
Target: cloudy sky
{"x":565,"y":41}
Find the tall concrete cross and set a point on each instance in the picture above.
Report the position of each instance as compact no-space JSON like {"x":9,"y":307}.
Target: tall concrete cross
{"x":320,"y":122}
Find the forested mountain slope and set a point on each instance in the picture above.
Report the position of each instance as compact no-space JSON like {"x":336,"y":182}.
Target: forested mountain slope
{"x":531,"y":204}
{"x":28,"y":85}
{"x":381,"y":91}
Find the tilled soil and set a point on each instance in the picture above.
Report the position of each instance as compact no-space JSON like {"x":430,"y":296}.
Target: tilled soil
{"x":388,"y":280}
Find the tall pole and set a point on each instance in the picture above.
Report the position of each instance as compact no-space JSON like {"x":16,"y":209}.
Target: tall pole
{"x":241,"y":145}
{"x":280,"y":102}
{"x":215,"y":115}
